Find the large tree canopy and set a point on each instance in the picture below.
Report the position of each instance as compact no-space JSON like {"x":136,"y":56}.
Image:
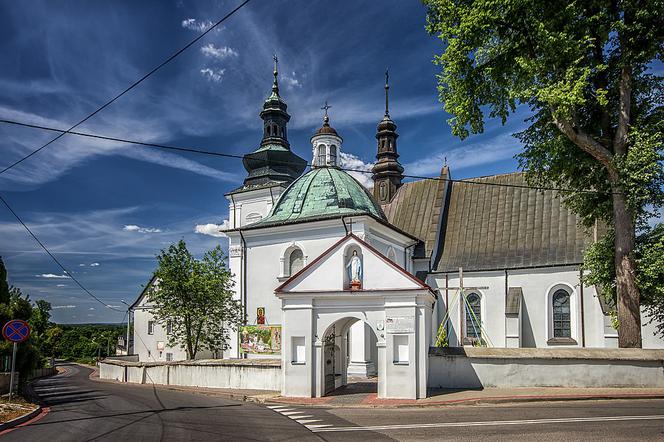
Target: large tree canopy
{"x":194,"y":299}
{"x":584,"y":69}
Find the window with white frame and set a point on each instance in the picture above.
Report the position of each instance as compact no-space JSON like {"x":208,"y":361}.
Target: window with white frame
{"x":333,"y":155}
{"x":561,"y":311}
{"x":151,"y":327}
{"x":473,"y":318}
{"x":169,"y":327}
{"x":322,"y":152}
{"x":169,"y":357}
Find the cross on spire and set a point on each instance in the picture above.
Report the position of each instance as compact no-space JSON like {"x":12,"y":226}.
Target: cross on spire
{"x":275,"y":85}
{"x":387,"y":88}
{"x":325,"y":108}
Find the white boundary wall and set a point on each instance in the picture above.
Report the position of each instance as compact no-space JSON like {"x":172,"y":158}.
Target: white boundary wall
{"x":509,"y":368}
{"x":238,"y":374}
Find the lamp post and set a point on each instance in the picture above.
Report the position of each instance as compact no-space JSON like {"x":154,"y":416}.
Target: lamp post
{"x":128,"y":322}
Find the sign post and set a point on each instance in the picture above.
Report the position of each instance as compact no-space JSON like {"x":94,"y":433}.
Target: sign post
{"x":15,"y":331}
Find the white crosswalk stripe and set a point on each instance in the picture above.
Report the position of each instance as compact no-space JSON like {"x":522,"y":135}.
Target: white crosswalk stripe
{"x":301,"y":417}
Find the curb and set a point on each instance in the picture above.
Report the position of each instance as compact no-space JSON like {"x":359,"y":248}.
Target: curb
{"x":21,"y":419}
{"x":473,"y":401}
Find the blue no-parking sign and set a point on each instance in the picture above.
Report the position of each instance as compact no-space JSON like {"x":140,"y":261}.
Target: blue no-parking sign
{"x":16,"y":330}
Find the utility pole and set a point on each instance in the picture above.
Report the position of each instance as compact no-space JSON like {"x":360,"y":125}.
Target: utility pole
{"x":128,"y":323}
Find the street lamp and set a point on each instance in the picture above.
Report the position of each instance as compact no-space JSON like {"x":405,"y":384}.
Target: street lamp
{"x":128,"y":322}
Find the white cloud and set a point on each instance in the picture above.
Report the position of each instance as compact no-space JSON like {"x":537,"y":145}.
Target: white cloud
{"x":135,"y":228}
{"x":52,"y":276}
{"x":56,"y":307}
{"x":81,"y":265}
{"x":195,"y":25}
{"x":61,"y":285}
{"x":91,"y":308}
{"x":500,"y":148}
{"x":212,"y":229}
{"x":212,"y":51}
{"x":96,"y":264}
{"x":291,"y":81}
{"x":215,"y":75}
{"x":350,"y":161}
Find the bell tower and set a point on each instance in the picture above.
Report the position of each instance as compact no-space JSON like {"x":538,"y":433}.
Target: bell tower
{"x":387,"y":172}
{"x":326,"y":144}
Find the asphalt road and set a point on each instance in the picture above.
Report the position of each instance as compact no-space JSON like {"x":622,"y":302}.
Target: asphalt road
{"x":605,"y":420}
{"x":86,"y":410}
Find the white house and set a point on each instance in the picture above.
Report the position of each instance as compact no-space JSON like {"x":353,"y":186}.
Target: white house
{"x":337,"y":280}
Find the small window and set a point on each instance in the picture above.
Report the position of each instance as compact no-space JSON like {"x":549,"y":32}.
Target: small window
{"x":169,"y":327}
{"x":561,"y":314}
{"x":295,"y":262}
{"x":333,"y":155}
{"x":400,"y":349}
{"x":151,"y":327}
{"x":322,"y":153}
{"x":169,"y":357}
{"x":299,"y":351}
{"x":473,"y":317}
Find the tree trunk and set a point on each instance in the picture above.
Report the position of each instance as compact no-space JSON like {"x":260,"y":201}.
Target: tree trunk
{"x":628,"y":296}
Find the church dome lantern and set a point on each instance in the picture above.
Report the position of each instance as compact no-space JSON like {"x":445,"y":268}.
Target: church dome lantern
{"x":326,"y":144}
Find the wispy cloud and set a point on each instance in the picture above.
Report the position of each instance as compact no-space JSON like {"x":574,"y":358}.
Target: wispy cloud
{"x":196,"y":25}
{"x":464,"y":155}
{"x":350,"y":161}
{"x":291,"y":81}
{"x":213,"y":229}
{"x":61,"y":285}
{"x":96,"y":264}
{"x":215,"y":75}
{"x":52,"y":276}
{"x":139,"y":229}
{"x":219,"y":53}
{"x":57,"y":307}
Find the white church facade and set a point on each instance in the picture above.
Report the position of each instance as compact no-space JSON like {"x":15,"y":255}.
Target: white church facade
{"x":340,"y":281}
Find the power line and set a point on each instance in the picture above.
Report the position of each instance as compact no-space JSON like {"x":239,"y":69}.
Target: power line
{"x":132,"y":86}
{"x":227,"y":155}
{"x":18,"y":218}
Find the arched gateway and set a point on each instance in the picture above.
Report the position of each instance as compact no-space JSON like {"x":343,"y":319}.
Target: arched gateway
{"x":322,"y":301}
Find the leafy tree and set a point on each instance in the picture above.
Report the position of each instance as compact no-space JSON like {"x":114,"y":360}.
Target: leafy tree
{"x":583,"y":69}
{"x":4,"y":285}
{"x":195,"y":298}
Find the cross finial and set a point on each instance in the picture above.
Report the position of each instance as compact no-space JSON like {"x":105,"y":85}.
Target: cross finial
{"x":387,"y":88}
{"x":325,"y":108}
{"x":275,"y":85}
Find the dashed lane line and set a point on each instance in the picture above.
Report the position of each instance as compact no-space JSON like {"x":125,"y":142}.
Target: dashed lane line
{"x":326,"y":428}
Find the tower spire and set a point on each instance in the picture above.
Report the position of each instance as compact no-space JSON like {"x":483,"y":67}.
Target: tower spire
{"x":387,"y":91}
{"x":275,"y":84}
{"x":387,"y":171}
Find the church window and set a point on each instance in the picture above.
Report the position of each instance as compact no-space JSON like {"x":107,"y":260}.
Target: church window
{"x":473,"y":316}
{"x":295,"y":261}
{"x":561,"y":314}
{"x":382,"y":188}
{"x":322,"y":151}
{"x":391,"y":255}
{"x":151,"y":327}
{"x":333,"y":155}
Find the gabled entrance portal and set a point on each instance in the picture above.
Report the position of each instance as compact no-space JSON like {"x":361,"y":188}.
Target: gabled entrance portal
{"x":318,"y":310}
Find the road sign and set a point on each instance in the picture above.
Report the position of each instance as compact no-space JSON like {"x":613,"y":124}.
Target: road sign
{"x":16,"y":330}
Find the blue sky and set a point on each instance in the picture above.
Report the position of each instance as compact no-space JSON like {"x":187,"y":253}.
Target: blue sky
{"x":106,"y":209}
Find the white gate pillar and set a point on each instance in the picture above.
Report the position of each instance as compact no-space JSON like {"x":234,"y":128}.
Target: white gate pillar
{"x":360,"y":350}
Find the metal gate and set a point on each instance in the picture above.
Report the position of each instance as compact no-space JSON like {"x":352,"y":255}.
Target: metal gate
{"x":330,"y":360}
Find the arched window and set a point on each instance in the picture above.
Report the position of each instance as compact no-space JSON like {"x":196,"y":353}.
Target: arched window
{"x":321,"y":154}
{"x":473,"y":316}
{"x":295,"y":262}
{"x":391,"y":255}
{"x":333,"y":155}
{"x":562,"y":323}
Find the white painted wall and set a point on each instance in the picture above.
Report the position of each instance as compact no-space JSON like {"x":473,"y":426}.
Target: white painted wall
{"x":210,"y":374}
{"x":582,"y":369}
{"x":535,"y":329}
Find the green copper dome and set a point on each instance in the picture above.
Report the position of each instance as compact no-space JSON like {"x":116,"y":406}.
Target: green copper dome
{"x":323,"y":192}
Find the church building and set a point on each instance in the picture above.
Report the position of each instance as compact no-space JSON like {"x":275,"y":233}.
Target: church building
{"x":338,"y":280}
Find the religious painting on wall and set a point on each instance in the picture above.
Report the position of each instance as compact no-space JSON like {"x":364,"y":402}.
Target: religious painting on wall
{"x":261,"y":339}
{"x":260,"y":315}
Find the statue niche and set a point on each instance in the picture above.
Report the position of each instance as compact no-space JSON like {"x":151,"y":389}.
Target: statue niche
{"x":354,"y":270}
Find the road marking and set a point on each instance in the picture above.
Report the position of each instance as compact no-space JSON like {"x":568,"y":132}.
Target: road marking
{"x":288,"y":413}
{"x":319,"y":428}
{"x":297,"y":418}
{"x":276,"y":407}
{"x":308,"y":421}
